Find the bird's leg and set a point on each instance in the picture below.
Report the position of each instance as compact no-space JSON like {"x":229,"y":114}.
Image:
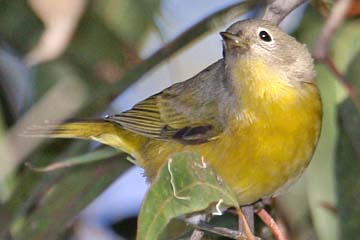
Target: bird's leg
{"x":244,"y":226}
{"x":269,"y":221}
{"x":248,"y":213}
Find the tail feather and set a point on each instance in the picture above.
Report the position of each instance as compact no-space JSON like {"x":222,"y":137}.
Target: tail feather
{"x":99,"y":130}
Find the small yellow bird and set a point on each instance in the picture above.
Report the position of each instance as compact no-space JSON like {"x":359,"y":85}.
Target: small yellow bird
{"x":254,"y":115}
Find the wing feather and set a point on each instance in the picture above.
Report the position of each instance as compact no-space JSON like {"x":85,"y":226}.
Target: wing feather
{"x":186,"y":112}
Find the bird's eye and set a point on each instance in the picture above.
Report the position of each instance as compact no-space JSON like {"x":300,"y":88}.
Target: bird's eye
{"x":265,"y":36}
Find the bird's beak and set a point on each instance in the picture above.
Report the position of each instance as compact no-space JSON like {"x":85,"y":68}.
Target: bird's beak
{"x":232,"y":40}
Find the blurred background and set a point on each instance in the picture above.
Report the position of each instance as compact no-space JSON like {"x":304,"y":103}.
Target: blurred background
{"x":61,"y":59}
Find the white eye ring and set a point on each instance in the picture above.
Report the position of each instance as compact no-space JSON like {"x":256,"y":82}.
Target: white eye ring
{"x":267,"y":38}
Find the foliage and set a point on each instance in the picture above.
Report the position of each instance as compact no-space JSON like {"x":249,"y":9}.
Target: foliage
{"x":103,"y":58}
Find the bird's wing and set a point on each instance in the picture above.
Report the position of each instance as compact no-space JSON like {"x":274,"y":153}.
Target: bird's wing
{"x":161,"y":118}
{"x":186,"y":112}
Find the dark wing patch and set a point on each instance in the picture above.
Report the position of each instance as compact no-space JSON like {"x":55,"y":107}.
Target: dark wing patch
{"x":194,"y":135}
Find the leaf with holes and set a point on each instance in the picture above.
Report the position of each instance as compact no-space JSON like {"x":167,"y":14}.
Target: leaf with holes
{"x":186,"y":184}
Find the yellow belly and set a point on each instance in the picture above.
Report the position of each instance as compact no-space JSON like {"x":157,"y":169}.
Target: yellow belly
{"x":261,"y":158}
{"x":265,"y":147}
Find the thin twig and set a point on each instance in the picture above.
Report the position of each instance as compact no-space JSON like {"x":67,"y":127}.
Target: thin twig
{"x":330,"y":207}
{"x":243,"y":224}
{"x":321,"y":50}
{"x":282,"y":217}
{"x":270,"y":222}
{"x":337,"y":16}
{"x":277,"y":10}
{"x":351,"y":89}
{"x":248,"y":211}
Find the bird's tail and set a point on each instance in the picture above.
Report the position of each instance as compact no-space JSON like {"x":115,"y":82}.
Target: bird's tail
{"x":95,"y":129}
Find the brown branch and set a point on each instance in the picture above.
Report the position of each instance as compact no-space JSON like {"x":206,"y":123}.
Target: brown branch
{"x":337,"y":16}
{"x":330,"y":207}
{"x":277,"y":10}
{"x":282,"y":217}
{"x":350,"y":88}
{"x":270,"y":222}
{"x":321,"y":50}
{"x":221,"y":231}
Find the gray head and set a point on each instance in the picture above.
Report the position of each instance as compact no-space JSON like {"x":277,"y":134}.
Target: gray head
{"x":259,"y":39}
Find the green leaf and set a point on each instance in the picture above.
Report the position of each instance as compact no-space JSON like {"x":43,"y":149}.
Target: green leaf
{"x":348,"y":170}
{"x":348,"y":159}
{"x":13,"y":30}
{"x":353,"y":72}
{"x":184,"y":185}
{"x":62,"y":200}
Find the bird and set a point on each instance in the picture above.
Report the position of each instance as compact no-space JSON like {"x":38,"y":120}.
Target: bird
{"x":254,"y":115}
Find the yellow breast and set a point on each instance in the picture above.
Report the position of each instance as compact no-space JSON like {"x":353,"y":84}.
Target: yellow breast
{"x":272,"y":138}
{"x":268,"y":140}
